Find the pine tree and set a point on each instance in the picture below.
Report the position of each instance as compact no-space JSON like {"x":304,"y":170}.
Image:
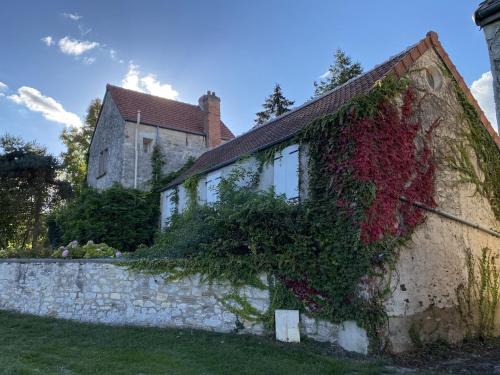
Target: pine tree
{"x":341,"y":71}
{"x":275,"y":105}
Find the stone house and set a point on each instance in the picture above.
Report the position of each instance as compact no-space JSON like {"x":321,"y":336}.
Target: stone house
{"x":131,"y":123}
{"x":432,"y":265}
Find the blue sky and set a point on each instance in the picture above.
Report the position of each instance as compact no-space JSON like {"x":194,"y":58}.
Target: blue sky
{"x":181,"y":49}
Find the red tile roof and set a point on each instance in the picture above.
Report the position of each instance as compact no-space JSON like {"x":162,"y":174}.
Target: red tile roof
{"x":289,"y":124}
{"x":162,"y":112}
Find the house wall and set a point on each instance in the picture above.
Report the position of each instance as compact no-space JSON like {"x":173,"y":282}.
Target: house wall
{"x":108,"y":134}
{"x":249,"y":164}
{"x":177,"y":147}
{"x":432,"y":266}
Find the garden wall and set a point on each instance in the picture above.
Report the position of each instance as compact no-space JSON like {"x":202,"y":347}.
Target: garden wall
{"x":100,"y":291}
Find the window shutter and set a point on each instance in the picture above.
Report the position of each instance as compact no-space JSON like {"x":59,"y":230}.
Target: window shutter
{"x":182,"y":199}
{"x":213,"y":180}
{"x":286,"y":172}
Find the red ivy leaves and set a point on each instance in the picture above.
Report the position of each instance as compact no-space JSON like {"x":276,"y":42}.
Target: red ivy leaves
{"x":386,"y":154}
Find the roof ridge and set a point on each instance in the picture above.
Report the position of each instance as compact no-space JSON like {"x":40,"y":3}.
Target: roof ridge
{"x":249,"y":142}
{"x":154,"y":96}
{"x":315,"y":99}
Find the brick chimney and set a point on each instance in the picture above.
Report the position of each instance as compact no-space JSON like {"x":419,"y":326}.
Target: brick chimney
{"x":210,"y":104}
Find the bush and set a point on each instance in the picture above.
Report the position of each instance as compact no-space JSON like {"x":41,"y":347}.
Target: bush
{"x":89,"y":250}
{"x":21,"y":252}
{"x":120,"y":217}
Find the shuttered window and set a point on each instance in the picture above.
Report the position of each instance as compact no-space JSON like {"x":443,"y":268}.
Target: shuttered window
{"x":213,"y":180}
{"x":182,"y":199}
{"x":286,"y":172}
{"x":168,"y":207}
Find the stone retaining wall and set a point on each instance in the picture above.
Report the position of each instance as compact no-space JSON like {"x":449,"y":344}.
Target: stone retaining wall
{"x":102,"y":292}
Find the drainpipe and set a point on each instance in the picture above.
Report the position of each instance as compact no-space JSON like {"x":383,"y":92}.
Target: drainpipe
{"x":136,"y":152}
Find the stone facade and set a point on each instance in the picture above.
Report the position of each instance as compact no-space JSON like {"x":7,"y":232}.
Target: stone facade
{"x":108,"y":135}
{"x":432,"y":265}
{"x":116,"y":137}
{"x":177,"y":148}
{"x":103,"y":292}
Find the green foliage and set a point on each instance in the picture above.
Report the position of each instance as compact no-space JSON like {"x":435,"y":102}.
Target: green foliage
{"x":77,"y":142}
{"x":23,"y":252}
{"x":191,"y":186}
{"x":478,"y":298}
{"x":123,"y":218}
{"x":157,"y":162}
{"x":311,"y":251}
{"x":477,"y":147}
{"x":165,"y":180}
{"x":275,"y":105}
{"x":341,"y":71}
{"x":29,"y":185}
{"x":89,"y":250}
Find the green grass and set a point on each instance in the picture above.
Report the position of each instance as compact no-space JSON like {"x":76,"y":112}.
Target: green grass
{"x":34,"y":345}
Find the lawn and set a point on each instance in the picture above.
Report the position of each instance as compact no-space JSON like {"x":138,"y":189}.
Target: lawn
{"x":33,"y":345}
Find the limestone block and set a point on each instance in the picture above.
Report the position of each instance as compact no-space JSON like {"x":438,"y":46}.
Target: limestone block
{"x":353,"y":338}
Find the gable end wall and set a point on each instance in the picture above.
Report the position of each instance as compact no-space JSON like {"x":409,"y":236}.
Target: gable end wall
{"x":108,"y":134}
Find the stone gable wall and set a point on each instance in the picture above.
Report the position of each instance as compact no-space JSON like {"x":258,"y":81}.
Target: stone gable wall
{"x":432,"y":265}
{"x":108,"y":134}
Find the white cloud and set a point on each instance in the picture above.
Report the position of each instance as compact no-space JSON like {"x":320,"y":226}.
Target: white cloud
{"x":482,"y":89}
{"x":48,"y":107}
{"x":48,"y":40}
{"x":75,"y":47}
{"x":88,"y":60}
{"x":3,"y":86}
{"x":73,"y":16}
{"x":147,"y":83}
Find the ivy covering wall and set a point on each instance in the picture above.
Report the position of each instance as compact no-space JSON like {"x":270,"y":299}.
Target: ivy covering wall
{"x":329,"y":254}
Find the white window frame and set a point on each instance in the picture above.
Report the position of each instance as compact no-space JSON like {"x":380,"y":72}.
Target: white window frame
{"x":183,"y":199}
{"x":286,"y":172}
{"x":169,"y":207}
{"x":212,"y":186}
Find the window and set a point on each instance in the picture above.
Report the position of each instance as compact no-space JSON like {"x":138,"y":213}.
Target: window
{"x":168,"y":206}
{"x":146,"y":145}
{"x":286,"y":172}
{"x":182,"y":199}
{"x":103,"y":163}
{"x":213,"y":180}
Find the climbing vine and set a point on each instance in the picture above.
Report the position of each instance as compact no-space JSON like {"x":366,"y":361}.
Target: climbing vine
{"x":476,"y":156}
{"x":327,"y":255}
{"x":478,"y":297}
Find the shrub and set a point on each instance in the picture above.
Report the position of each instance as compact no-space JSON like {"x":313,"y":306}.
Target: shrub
{"x":89,"y":250}
{"x":22,"y":252}
{"x":120,"y":217}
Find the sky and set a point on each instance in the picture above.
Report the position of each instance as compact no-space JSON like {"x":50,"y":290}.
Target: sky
{"x":57,"y":56}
